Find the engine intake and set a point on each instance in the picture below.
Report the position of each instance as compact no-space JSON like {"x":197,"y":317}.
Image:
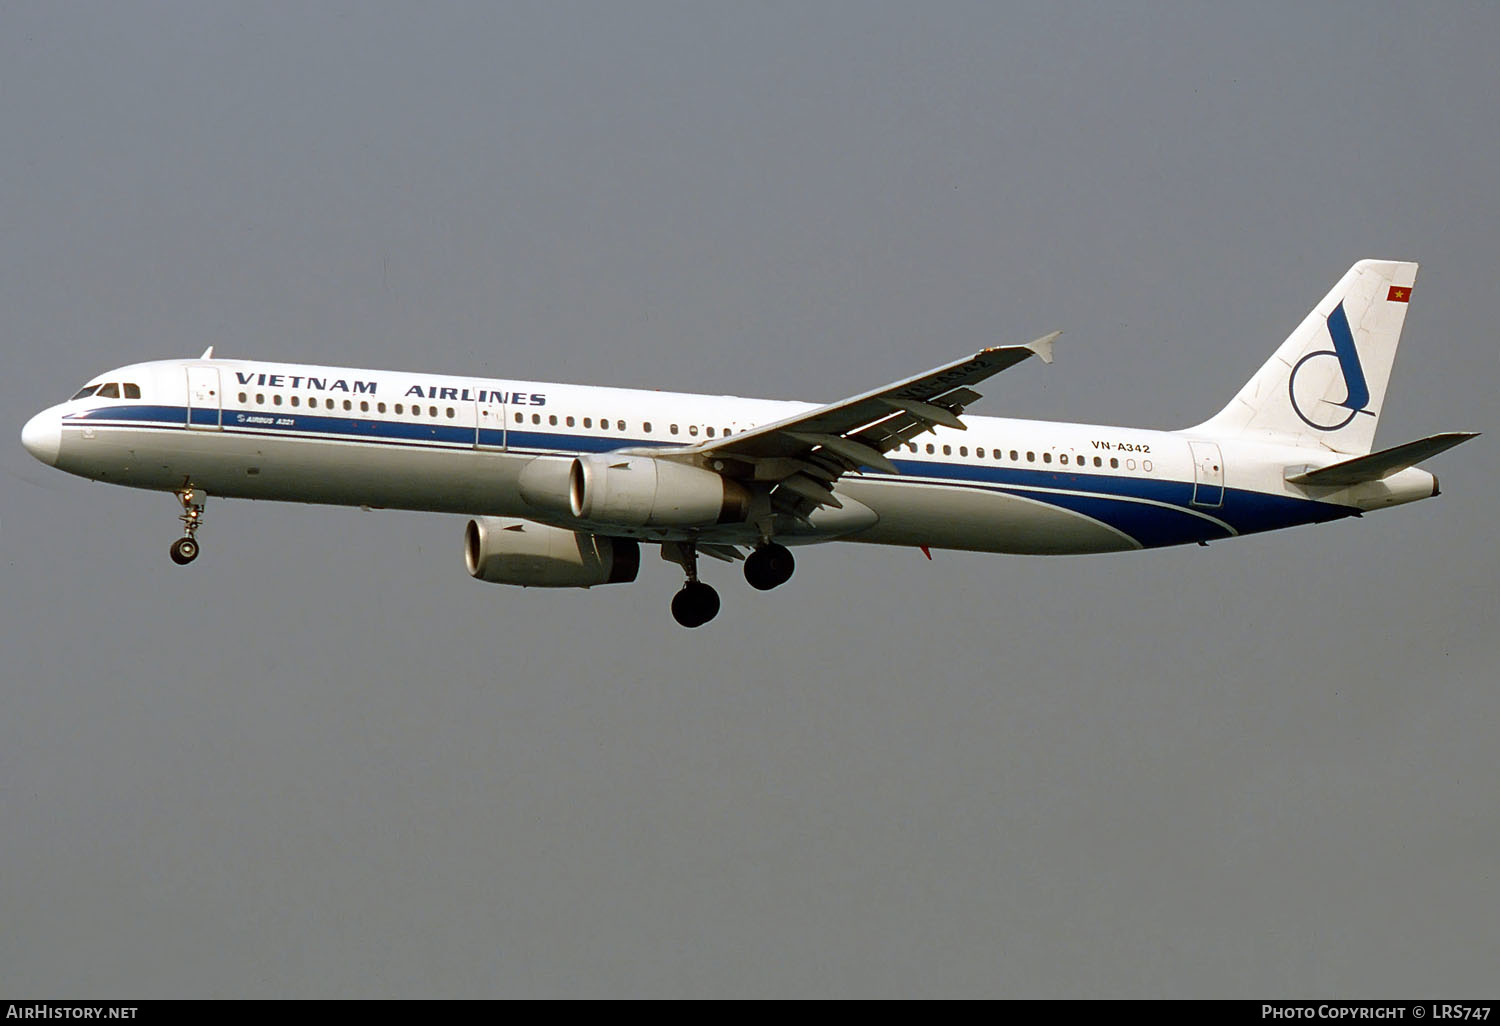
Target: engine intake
{"x":642,"y":491}
{"x":502,"y":550}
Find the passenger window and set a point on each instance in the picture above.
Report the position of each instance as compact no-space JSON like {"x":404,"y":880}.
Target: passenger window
{"x":710,"y":432}
{"x":244,"y":397}
{"x":674,"y":429}
{"x":84,"y":393}
{"x":399,"y":408}
{"x":1015,"y":457}
{"x":620,"y":424}
{"x":1114,"y":464}
{"x":979,"y":453}
{"x":276,"y":399}
{"x":348,"y":405}
{"x":432,"y":411}
{"x":947,"y":450}
{"x":134,"y":391}
{"x":930,"y":449}
{"x":1063,"y":457}
{"x":552,"y":420}
{"x":1146,"y":466}
{"x":1098,"y":462}
{"x":963,"y":450}
{"x":646,"y":427}
{"x":536,"y":418}
{"x":260,"y":399}
{"x":110,"y":391}
{"x":693,"y":430}
{"x":570,"y":422}
{"x":726,"y":432}
{"x":588,"y":422}
{"x":379,"y":407}
{"x":450,"y":413}
{"x":1046,"y":457}
{"x":1031,"y":457}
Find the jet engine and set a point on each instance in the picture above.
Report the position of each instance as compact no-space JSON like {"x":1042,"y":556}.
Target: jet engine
{"x":642,"y":491}
{"x":502,"y":550}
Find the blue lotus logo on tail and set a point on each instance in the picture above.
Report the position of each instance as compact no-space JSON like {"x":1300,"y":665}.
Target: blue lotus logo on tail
{"x":1313,"y":406}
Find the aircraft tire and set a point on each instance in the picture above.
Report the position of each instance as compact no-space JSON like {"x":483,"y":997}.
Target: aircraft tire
{"x":695,"y":604}
{"x":769,"y":566}
{"x":184,"y":551}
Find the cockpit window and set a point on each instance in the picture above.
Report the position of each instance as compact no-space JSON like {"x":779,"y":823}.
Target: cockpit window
{"x":84,"y":393}
{"x":110,"y":391}
{"x":132,"y":390}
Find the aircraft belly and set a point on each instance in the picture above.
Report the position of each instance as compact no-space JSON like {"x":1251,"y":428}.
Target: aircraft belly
{"x":233,"y":465}
{"x":980,"y":520}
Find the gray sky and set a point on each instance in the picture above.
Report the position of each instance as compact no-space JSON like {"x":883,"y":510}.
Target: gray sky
{"x":325,"y":762}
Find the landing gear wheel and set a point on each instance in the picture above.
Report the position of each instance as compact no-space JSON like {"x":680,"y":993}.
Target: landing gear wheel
{"x":769,"y":566}
{"x":695,"y":604}
{"x":184,"y":551}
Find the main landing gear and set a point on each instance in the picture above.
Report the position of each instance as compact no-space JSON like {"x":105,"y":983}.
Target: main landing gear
{"x":185,"y":549}
{"x":767,"y":567}
{"x":696,"y":603}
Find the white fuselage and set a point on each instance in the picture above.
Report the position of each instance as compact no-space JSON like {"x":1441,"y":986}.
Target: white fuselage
{"x":354,"y":437}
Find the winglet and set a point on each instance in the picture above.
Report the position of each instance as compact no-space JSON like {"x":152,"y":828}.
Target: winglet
{"x":1043,"y":346}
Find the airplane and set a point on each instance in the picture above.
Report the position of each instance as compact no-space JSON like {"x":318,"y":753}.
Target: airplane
{"x":565,"y":483}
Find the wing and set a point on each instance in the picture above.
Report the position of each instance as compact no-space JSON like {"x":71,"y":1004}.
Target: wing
{"x":803,"y":456}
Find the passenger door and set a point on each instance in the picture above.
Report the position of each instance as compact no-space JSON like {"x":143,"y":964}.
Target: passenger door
{"x":1208,"y":475}
{"x":489,"y":424}
{"x":203,"y":398}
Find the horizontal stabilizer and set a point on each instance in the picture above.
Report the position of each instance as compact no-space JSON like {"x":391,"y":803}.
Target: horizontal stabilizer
{"x":1380,"y":465}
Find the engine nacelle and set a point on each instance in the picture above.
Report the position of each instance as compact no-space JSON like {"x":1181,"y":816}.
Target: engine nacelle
{"x":502,"y":550}
{"x":642,"y":491}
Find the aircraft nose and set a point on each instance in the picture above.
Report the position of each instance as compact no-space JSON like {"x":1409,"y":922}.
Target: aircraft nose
{"x":42,"y":437}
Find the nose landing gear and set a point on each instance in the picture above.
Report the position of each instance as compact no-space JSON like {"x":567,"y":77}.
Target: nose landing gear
{"x":185,"y":549}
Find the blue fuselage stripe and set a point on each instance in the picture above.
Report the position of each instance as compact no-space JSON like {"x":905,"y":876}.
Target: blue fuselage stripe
{"x":1154,"y":512}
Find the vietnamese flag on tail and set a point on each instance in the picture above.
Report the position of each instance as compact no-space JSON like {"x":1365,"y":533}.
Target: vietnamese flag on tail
{"x":1399,"y":294}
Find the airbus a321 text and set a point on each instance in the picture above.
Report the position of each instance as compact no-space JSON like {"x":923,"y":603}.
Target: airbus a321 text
{"x":565,"y":483}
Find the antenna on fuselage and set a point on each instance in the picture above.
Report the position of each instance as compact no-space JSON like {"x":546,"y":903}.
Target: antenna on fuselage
{"x":208,"y":354}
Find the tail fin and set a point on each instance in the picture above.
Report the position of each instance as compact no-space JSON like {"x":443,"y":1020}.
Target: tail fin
{"x":1326,"y":385}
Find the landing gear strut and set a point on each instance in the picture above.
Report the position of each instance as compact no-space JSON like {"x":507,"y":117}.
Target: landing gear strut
{"x":696,"y":603}
{"x":185,"y":549}
{"x":769,"y":566}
